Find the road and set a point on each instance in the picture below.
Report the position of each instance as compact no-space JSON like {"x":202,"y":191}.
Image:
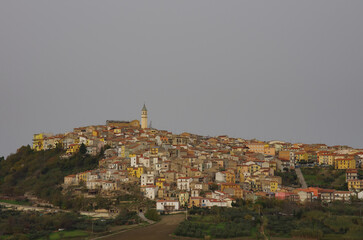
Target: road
{"x":301,"y":178}
{"x":157,"y":231}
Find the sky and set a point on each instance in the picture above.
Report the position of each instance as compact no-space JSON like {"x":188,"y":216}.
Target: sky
{"x":271,"y":70}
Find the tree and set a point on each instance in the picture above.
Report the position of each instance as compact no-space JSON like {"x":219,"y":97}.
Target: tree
{"x":83,"y":149}
{"x":152,"y":214}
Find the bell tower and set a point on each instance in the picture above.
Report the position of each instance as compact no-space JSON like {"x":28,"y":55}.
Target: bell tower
{"x":144,"y":117}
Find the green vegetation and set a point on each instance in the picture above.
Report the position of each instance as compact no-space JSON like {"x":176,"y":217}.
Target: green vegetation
{"x":360,"y":173}
{"x":15,"y":202}
{"x":36,"y":225}
{"x":152,"y":214}
{"x":68,"y":234}
{"x":126,"y":217}
{"x":42,"y":173}
{"x":325,"y":178}
{"x":219,"y":223}
{"x":288,"y":178}
{"x":274,"y":218}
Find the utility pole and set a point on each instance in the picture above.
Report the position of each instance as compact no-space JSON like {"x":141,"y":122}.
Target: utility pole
{"x":186,"y":213}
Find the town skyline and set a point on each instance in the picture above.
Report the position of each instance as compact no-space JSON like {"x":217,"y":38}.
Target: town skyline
{"x":180,"y":131}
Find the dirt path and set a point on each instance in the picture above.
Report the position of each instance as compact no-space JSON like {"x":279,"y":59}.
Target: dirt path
{"x":301,"y":178}
{"x":157,"y":231}
{"x":142,"y":216}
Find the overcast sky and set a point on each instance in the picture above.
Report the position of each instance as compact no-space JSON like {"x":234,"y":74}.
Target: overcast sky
{"x":286,"y":70}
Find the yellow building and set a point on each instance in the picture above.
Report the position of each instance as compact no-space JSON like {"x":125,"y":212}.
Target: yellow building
{"x":273,"y":186}
{"x":253,"y":168}
{"x":183,"y":198}
{"x":229,"y":185}
{"x":160,"y":182}
{"x":135,"y":171}
{"x":355,"y":185}
{"x":256,"y":184}
{"x":83,"y":176}
{"x":123,"y":152}
{"x":117,"y":130}
{"x":73,"y":148}
{"x":345,"y":163}
{"x":38,"y":140}
{"x":154,"y":151}
{"x":326,"y":157}
{"x":301,"y":156}
{"x":195,"y":201}
{"x":241,"y":177}
{"x":230,"y":177}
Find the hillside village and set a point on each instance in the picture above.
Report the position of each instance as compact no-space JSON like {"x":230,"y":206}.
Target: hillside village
{"x":185,"y":170}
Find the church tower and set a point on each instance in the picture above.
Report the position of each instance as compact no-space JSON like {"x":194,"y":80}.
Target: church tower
{"x":144,"y":117}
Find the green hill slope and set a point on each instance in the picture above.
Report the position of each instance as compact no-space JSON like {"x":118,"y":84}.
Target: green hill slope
{"x":41,"y":172}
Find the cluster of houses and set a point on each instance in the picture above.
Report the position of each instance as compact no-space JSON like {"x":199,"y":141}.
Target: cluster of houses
{"x":185,"y":170}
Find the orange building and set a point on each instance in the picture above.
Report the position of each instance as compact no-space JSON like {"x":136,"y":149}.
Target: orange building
{"x":229,"y":185}
{"x":284,"y":155}
{"x":256,"y":147}
{"x":270,"y":151}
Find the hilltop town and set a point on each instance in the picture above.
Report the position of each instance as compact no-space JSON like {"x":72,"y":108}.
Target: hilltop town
{"x":186,"y":170}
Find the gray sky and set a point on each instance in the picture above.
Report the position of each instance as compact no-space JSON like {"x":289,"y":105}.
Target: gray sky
{"x":287,"y":70}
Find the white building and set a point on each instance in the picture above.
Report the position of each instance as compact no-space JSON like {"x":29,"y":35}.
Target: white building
{"x":220,"y":177}
{"x":133,"y":159}
{"x":145,"y":161}
{"x":151,"y":191}
{"x":94,"y":184}
{"x":360,"y":195}
{"x":183,"y":183}
{"x":217,"y":203}
{"x":167,"y":205}
{"x":108,"y":185}
{"x":342,"y":196}
{"x":147,"y":179}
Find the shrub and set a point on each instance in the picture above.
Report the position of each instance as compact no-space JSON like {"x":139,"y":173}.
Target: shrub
{"x":152,"y":214}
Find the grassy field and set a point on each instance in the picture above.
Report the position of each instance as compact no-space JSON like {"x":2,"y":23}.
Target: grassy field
{"x":68,"y":234}
{"x":219,"y":223}
{"x":325,"y":178}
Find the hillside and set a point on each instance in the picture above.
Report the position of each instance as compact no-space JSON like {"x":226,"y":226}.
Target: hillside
{"x":325,"y":178}
{"x":41,"y":172}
